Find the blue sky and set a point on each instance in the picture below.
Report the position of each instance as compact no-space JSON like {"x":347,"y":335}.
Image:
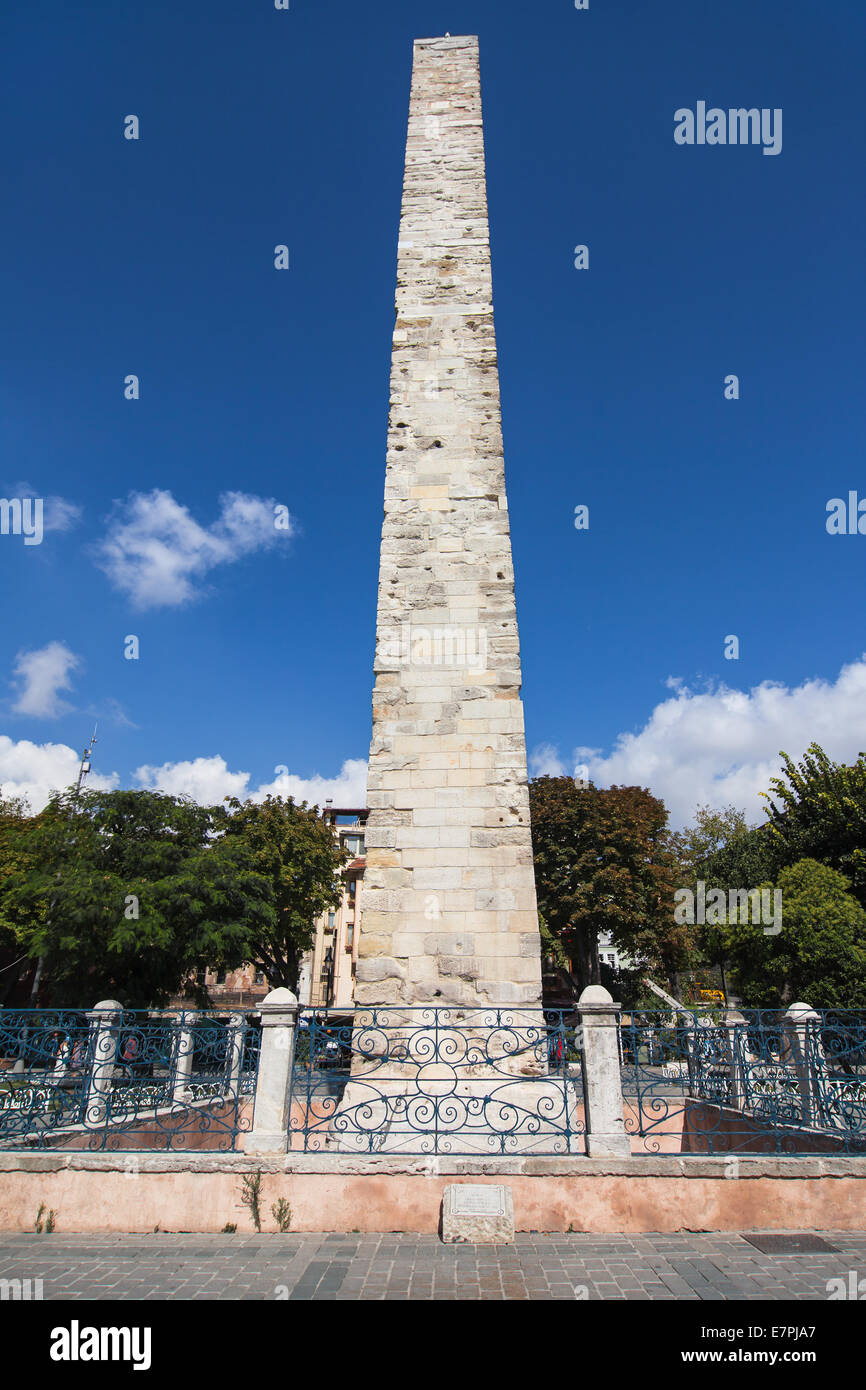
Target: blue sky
{"x":261,"y":387}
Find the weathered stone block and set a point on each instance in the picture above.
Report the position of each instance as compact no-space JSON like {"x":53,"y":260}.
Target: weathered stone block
{"x":477,"y":1214}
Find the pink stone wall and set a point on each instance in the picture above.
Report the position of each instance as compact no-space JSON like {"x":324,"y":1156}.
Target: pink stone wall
{"x":96,"y":1200}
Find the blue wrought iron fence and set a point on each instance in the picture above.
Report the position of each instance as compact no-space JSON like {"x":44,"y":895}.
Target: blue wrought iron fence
{"x":431,"y":1080}
{"x":751,"y":1081}
{"x":126,"y":1079}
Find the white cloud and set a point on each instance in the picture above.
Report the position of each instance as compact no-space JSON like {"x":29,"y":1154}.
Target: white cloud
{"x":544,"y":761}
{"x":156,"y":552}
{"x":40,"y":675}
{"x":721,"y":746}
{"x":35,"y":770}
{"x":208,"y":780}
{"x":348,"y":788}
{"x":58,"y":513}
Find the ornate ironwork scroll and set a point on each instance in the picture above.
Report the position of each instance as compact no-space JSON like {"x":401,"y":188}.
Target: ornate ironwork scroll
{"x":438,"y":1081}
{"x":126,"y":1079}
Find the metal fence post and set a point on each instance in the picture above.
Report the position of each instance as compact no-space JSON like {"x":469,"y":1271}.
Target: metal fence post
{"x":606,"y":1135}
{"x":796,"y":1024}
{"x":270,"y":1132}
{"x":64,"y":1053}
{"x":104,"y":1019}
{"x":183,"y":1056}
{"x":734,"y":1023}
{"x":235,"y":1054}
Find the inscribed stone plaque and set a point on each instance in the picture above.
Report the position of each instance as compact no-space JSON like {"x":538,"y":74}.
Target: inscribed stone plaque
{"x":470,"y":1200}
{"x":481,"y":1214}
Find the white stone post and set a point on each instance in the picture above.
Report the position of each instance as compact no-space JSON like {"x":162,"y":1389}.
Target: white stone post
{"x":64,"y":1052}
{"x":606,"y":1135}
{"x":270,"y":1132}
{"x":235,"y":1054}
{"x":796,"y":1024}
{"x":183,"y":1055}
{"x":104,"y":1019}
{"x":734,"y":1022}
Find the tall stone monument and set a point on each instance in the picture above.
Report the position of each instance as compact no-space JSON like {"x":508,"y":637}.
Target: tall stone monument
{"x":449,"y":895}
{"x":449,"y":1046}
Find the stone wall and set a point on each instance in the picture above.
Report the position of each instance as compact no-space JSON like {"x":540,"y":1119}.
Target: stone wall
{"x":450,"y":911}
{"x":199,"y":1192}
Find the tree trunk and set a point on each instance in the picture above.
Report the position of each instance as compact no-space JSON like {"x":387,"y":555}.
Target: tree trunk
{"x":585,"y":964}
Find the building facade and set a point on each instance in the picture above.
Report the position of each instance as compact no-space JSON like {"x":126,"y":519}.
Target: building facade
{"x":328,"y":971}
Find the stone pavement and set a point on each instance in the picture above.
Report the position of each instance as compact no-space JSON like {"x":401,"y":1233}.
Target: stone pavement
{"x":398,"y":1266}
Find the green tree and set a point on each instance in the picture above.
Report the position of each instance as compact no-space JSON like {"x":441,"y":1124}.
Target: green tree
{"x":724,"y":851}
{"x":16,"y":855}
{"x":127,"y":893}
{"x":604,"y":862}
{"x":819,"y":955}
{"x":297,"y":854}
{"x":817,"y":810}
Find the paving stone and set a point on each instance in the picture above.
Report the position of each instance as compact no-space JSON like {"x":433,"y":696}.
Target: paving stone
{"x":315,"y":1268}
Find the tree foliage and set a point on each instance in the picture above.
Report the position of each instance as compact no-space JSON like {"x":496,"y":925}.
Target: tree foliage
{"x":817,"y":810}
{"x":604,"y":862}
{"x":127,"y":894}
{"x":296,"y":853}
{"x":819,"y":955}
{"x":16,"y":856}
{"x":723,"y":851}
{"x":124,"y":897}
{"x":816,"y":818}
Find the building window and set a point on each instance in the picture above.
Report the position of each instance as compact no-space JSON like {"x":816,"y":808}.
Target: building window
{"x":350,"y":933}
{"x":332,"y":917}
{"x":221,"y":977}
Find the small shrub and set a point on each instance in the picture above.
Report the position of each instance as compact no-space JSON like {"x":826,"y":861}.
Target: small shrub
{"x":50,"y":1222}
{"x":282,"y":1214}
{"x":229,"y":1229}
{"x":251,"y":1196}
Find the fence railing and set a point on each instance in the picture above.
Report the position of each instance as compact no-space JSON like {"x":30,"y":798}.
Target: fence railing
{"x":438,"y":1080}
{"x":751,"y":1081}
{"x":114,"y":1078}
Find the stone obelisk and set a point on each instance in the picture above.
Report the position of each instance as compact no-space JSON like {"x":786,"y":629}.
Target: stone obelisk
{"x":449,"y":896}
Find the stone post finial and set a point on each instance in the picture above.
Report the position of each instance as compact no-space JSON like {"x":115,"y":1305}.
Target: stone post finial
{"x":104,"y":1019}
{"x":606,"y":1135}
{"x":270,"y":1132}
{"x":184,"y":1048}
{"x":804,"y":1054}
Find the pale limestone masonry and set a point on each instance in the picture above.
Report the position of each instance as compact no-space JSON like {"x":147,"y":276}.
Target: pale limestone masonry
{"x":449,"y":895}
{"x":477,"y":1214}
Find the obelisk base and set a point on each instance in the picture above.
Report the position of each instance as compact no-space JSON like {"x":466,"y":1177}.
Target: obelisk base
{"x":492,"y":1116}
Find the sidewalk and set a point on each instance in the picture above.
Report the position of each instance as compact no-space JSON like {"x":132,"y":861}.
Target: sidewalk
{"x":396,"y":1266}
